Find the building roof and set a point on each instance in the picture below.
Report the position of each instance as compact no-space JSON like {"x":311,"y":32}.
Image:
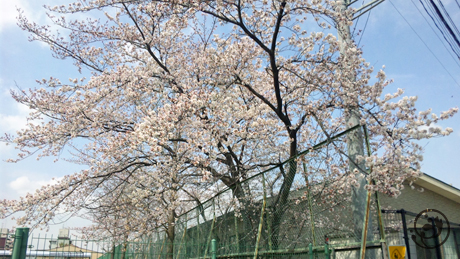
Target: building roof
{"x":71,"y":248}
{"x":435,"y":185}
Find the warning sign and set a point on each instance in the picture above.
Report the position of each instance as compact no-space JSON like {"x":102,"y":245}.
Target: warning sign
{"x":397,"y":252}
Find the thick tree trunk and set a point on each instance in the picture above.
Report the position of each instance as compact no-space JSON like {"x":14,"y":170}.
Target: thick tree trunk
{"x":248,"y":211}
{"x":281,"y":201}
{"x":123,"y":253}
{"x":170,"y":231}
{"x":112,"y":255}
{"x":251,"y":211}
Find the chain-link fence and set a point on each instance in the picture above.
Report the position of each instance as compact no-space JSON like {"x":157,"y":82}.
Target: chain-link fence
{"x":252,"y":222}
{"x":301,"y":207}
{"x":49,"y":247}
{"x":252,"y":218}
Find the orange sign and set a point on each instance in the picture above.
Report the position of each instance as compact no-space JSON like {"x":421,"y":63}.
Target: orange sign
{"x":397,"y":252}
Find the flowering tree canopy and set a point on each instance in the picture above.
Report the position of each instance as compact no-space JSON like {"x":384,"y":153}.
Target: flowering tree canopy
{"x":187,"y":92}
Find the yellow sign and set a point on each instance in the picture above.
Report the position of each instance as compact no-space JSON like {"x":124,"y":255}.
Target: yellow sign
{"x":397,"y":252}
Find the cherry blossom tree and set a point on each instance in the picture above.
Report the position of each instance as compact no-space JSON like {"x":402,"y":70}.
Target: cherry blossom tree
{"x":134,"y":204}
{"x":182,"y":90}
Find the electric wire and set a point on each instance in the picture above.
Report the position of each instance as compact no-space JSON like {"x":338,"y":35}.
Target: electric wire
{"x":456,"y":60}
{"x":453,"y":30}
{"x":446,"y":24}
{"x":448,"y":16}
{"x":365,"y":25}
{"x":436,"y":21}
{"x":445,"y":30}
{"x":356,"y":24}
{"x":424,"y":42}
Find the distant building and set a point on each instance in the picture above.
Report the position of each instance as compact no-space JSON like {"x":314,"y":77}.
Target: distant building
{"x":68,"y":252}
{"x":62,"y":240}
{"x":61,"y":248}
{"x":6,"y":241}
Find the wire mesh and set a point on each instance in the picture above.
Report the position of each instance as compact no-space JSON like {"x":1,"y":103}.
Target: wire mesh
{"x":277,"y":213}
{"x":49,"y":247}
{"x":247,"y":221}
{"x":297,"y":208}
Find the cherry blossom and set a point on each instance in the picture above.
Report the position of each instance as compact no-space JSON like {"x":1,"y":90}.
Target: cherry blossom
{"x":183,"y":95}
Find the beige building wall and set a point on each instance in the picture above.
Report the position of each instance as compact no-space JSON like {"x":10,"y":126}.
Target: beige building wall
{"x":428,"y":193}
{"x":415,"y":200}
{"x":72,"y":248}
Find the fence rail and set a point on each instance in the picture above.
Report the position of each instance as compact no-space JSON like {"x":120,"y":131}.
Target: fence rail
{"x":299,"y":207}
{"x":94,"y":249}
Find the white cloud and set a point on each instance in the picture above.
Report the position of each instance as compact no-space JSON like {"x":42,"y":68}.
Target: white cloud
{"x":23,"y":185}
{"x":8,"y":13}
{"x":33,"y":10}
{"x":432,"y":126}
{"x":16,"y":120}
{"x":13,"y":117}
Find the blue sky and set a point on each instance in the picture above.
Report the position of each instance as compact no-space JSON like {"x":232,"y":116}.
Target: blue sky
{"x":387,"y":40}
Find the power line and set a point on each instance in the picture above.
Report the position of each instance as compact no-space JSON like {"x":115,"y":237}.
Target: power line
{"x":436,"y":21}
{"x":424,"y":43}
{"x":437,"y":35}
{"x":445,"y":29}
{"x":450,"y":19}
{"x":365,"y":25}
{"x":356,"y":24}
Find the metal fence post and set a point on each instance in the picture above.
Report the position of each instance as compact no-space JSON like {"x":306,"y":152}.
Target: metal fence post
{"x":20,"y":243}
{"x":310,"y":250}
{"x":406,"y":236}
{"x":326,"y":251}
{"x":436,"y":240}
{"x":213,"y":249}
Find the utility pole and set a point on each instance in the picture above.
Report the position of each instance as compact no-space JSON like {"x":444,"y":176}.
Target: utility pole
{"x":355,"y":141}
